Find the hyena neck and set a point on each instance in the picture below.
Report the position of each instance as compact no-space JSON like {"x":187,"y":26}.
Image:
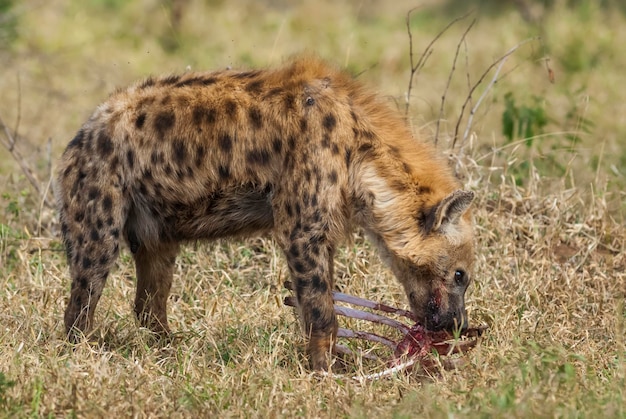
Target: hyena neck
{"x":393,"y":204}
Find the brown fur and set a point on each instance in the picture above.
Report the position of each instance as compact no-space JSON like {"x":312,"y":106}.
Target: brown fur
{"x":302,"y":151}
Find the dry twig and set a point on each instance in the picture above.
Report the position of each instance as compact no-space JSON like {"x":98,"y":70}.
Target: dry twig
{"x":416,"y":67}
{"x":499,"y":62}
{"x":445,"y":92}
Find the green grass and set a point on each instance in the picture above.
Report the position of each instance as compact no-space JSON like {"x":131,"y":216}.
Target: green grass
{"x":550,"y":277}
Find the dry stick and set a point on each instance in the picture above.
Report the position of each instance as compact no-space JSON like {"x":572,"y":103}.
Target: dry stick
{"x":499,"y":61}
{"x":9,"y":143}
{"x":415,"y":68}
{"x":445,"y":92}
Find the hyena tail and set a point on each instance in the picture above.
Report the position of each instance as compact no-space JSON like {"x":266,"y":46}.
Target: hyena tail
{"x":92,"y":216}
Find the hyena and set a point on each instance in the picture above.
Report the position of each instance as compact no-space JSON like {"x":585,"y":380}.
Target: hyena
{"x":304,"y":152}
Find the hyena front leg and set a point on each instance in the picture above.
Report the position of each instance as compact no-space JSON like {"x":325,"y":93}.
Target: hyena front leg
{"x":310,"y":259}
{"x":155,"y":268}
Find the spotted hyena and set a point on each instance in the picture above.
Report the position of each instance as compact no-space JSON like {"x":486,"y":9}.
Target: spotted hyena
{"x":303,"y":151}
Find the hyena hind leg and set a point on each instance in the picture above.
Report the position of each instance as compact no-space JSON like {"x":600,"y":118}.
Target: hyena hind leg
{"x":155,"y":268}
{"x":90,"y":259}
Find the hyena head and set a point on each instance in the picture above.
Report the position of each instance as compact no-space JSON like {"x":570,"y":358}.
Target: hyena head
{"x":434,"y":265}
{"x":436,"y":273}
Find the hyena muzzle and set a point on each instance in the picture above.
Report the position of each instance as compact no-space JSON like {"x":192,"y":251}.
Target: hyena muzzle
{"x":303,"y":152}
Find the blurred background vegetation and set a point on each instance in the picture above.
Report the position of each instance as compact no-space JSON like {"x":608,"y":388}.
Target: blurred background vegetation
{"x":557,"y":110}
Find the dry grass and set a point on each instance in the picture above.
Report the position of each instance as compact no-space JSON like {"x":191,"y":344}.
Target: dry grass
{"x":551,"y":273}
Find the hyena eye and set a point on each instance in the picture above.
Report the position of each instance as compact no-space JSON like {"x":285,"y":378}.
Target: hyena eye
{"x":459,"y":276}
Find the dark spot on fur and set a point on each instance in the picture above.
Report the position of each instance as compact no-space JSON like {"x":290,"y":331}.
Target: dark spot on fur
{"x":224,"y":172}
{"x":335,"y":149}
{"x":141,"y":119}
{"x":332,"y":177}
{"x":225,"y":143}
{"x":200,"y":154}
{"x":316,"y":314}
{"x":254,"y":87}
{"x":86,"y":263}
{"x":303,"y":125}
{"x":299,"y":267}
{"x":78,"y":140}
{"x":201,"y":114}
{"x":180,"y":151}
{"x":93,"y":193}
{"x":291,"y":142}
{"x":130,"y":157}
{"x":326,"y":141}
{"x":104,"y":260}
{"x":255,"y":117}
{"x":294,"y":251}
{"x":115,"y":161}
{"x":107,"y":203}
{"x":258,"y":156}
{"x":163,"y":122}
{"x":105,"y":145}
{"x":290,"y":102}
{"x":78,"y":217}
{"x":231,"y":109}
{"x":277,"y":145}
{"x":329,"y":122}
{"x":318,"y":284}
{"x":94,"y":235}
{"x":82,"y":281}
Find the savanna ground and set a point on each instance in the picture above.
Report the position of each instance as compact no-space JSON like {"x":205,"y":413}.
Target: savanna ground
{"x":545,"y":153}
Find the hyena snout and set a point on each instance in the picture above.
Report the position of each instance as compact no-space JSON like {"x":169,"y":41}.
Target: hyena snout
{"x":440,"y":312}
{"x":451,"y":320}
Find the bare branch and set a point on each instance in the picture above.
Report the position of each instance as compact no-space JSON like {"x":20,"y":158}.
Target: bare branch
{"x":499,"y":62}
{"x":445,"y":92}
{"x":416,"y":67}
{"x":9,"y":142}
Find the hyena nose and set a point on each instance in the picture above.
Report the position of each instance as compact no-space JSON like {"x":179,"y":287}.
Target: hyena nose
{"x":451,"y":322}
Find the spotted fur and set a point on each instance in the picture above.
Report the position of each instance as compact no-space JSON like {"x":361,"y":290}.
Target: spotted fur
{"x":304,"y":152}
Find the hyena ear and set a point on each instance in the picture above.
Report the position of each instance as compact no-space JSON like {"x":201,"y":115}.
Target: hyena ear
{"x":451,"y":208}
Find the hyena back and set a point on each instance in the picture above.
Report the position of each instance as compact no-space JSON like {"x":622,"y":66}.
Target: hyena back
{"x":303,"y":151}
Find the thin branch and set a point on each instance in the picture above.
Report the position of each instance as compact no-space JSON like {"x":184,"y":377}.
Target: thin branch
{"x":9,"y":143}
{"x":416,"y":67}
{"x":499,"y":62}
{"x":19,"y":106}
{"x":445,"y":92}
